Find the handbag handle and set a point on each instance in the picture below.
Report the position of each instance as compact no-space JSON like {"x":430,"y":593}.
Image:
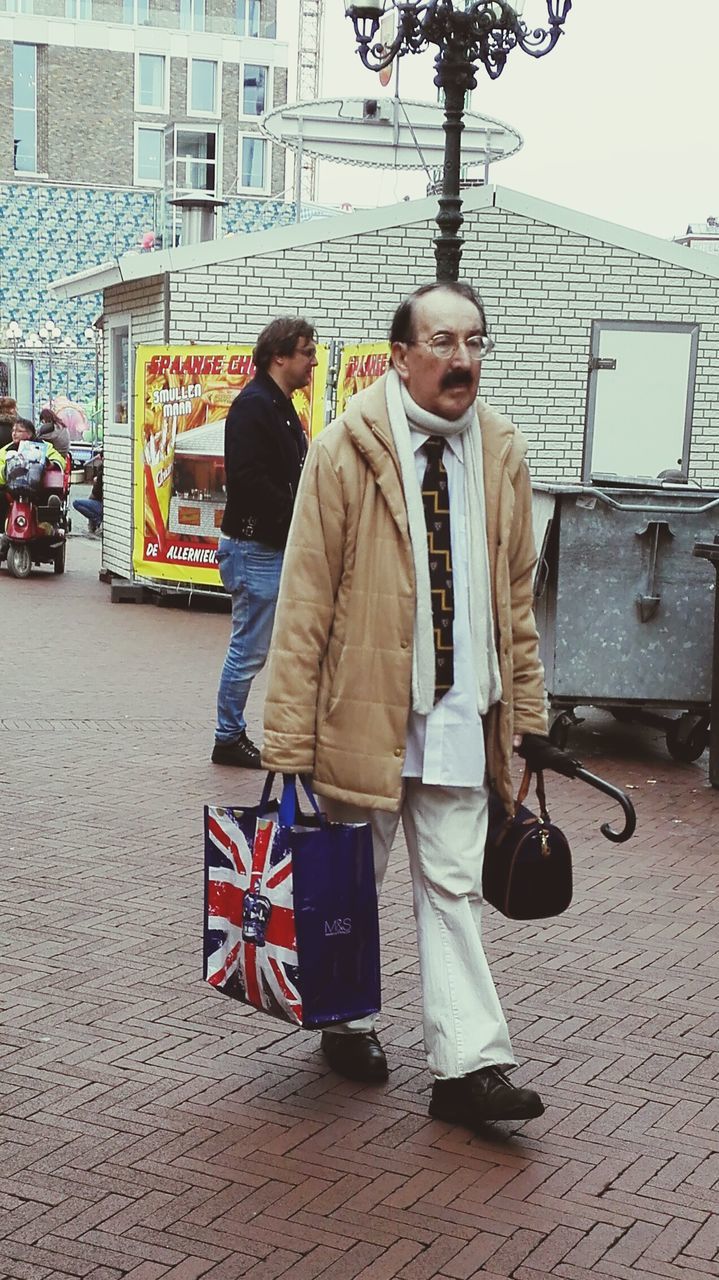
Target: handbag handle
{"x":288,"y":801}
{"x":630,"y":817}
{"x":524,"y":792}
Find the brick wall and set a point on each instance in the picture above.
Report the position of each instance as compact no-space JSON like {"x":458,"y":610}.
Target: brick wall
{"x":543,"y":286}
{"x":278,"y":161}
{"x":6,"y":111}
{"x":144,"y":302}
{"x":178,"y":93}
{"x":90,"y":114}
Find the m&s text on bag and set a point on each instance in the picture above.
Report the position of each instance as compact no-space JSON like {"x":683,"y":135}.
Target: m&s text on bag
{"x":342,"y":925}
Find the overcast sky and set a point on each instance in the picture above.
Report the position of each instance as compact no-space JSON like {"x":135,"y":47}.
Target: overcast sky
{"x":619,"y":121}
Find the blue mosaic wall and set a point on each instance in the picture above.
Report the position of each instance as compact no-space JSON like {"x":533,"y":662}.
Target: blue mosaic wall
{"x":49,"y":231}
{"x":242,"y":214}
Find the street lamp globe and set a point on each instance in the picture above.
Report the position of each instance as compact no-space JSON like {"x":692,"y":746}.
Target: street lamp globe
{"x":366,"y":10}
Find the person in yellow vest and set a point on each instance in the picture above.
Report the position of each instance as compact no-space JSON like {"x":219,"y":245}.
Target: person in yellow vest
{"x":24,"y":430}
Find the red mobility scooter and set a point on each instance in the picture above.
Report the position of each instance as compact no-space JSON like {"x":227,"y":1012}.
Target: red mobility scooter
{"x":37,"y":525}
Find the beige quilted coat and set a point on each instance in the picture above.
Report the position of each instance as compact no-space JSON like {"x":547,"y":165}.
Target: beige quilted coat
{"x":338,"y":693}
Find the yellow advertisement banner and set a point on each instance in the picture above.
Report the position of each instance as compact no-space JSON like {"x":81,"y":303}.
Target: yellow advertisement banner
{"x":182,"y":398}
{"x":361,"y":363}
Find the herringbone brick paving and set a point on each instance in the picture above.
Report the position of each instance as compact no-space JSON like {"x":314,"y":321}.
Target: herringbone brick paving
{"x":154,"y":1131}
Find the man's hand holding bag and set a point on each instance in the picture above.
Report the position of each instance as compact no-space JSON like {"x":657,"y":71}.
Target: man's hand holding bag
{"x":291,"y":921}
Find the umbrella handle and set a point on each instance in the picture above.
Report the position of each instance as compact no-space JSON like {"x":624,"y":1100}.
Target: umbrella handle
{"x":630,"y":817}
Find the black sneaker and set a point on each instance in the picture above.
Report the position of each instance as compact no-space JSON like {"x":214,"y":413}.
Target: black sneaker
{"x":242,"y":754}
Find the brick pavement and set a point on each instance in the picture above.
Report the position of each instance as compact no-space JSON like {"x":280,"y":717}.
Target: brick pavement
{"x":154,"y":1131}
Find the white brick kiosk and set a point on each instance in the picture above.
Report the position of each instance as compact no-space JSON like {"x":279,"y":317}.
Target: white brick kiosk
{"x":563,"y":291}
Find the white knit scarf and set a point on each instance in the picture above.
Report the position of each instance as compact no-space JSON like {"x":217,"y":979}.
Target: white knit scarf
{"x":402,"y":411}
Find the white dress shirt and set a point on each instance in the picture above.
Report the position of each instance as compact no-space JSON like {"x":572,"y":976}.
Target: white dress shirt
{"x":446,"y":747}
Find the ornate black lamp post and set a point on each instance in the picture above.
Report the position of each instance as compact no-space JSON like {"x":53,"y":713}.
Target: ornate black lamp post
{"x":466,"y":33}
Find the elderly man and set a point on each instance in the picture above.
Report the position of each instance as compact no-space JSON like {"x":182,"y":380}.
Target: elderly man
{"x":265,"y":448}
{"x":405,"y":667}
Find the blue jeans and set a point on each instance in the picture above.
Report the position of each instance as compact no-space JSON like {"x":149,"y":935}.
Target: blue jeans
{"x":91,"y":508}
{"x":250,"y":573}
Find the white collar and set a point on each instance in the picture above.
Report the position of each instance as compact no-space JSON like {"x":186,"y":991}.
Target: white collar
{"x":419,"y":438}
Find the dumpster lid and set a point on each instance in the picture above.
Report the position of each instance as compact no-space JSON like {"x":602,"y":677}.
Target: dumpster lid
{"x":661,"y":497}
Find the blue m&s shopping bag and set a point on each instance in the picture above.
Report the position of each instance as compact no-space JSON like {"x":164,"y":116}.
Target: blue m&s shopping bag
{"x":291,"y":910}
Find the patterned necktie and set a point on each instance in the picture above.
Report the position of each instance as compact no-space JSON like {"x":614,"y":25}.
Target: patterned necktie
{"x":435,"y":497}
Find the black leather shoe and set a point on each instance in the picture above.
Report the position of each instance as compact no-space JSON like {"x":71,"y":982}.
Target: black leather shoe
{"x":357,"y":1057}
{"x":481,"y":1098}
{"x":243,"y":753}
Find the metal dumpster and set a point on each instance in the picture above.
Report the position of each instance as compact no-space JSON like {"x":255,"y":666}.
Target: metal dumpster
{"x":624,"y":609}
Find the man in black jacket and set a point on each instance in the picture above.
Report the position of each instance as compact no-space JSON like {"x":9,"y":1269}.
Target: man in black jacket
{"x":265,"y":447}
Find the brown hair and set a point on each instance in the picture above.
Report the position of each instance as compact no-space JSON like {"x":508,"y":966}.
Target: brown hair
{"x":49,"y":415}
{"x":8,"y":407}
{"x":279,"y":338}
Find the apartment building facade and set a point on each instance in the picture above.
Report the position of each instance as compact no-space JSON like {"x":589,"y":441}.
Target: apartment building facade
{"x":109,"y":110}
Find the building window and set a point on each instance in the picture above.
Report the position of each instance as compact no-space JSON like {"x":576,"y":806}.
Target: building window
{"x":119,"y":371}
{"x":149,"y":155}
{"x":136,"y":12}
{"x":151,"y":83}
{"x":253,"y":163}
{"x":196,"y":160}
{"x":192,"y":15}
{"x":24,"y":101}
{"x":254,"y":90}
{"x":248,"y":17}
{"x":18,"y":6}
{"x":203,"y":88}
{"x":78,"y":9}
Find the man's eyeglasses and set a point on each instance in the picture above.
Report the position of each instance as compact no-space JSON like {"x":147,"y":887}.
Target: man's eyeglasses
{"x":444,"y":345}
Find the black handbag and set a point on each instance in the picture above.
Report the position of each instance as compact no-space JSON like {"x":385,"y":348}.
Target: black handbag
{"x":527,"y":873}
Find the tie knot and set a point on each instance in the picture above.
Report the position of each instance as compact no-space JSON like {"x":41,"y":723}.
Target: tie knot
{"x":433,"y":447}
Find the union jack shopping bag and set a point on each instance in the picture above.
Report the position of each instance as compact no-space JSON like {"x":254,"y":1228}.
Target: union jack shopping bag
{"x":291,"y":910}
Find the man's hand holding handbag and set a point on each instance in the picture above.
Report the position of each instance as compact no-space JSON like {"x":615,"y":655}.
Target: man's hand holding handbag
{"x":527,"y":872}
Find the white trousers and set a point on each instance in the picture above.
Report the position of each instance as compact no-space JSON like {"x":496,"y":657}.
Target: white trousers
{"x":445,"y":829}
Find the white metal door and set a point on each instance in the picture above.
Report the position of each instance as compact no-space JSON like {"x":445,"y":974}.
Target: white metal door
{"x":639,"y":409}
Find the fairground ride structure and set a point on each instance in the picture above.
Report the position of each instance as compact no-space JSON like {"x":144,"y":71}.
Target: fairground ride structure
{"x":309,"y":68}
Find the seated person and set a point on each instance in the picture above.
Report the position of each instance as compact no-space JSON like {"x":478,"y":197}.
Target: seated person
{"x":24,"y":430}
{"x":53,"y":431}
{"x":21,"y":429}
{"x":91,"y":507}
